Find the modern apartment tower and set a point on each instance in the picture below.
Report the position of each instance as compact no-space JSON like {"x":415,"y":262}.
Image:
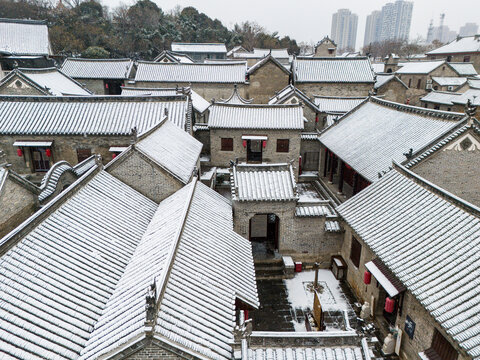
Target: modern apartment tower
{"x":391,"y":23}
{"x":469,"y":29}
{"x":344,"y":29}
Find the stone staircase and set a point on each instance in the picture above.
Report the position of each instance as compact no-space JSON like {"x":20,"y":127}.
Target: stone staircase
{"x":269,"y":269}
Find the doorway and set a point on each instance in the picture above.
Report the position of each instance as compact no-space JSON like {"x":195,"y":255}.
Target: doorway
{"x":254,"y":151}
{"x":113,"y":87}
{"x":263,"y":233}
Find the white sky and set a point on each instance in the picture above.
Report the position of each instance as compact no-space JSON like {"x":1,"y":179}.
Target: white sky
{"x":310,"y":20}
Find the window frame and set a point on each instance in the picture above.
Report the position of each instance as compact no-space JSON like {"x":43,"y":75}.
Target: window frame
{"x":281,"y":148}
{"x":355,"y":247}
{"x":224,"y":146}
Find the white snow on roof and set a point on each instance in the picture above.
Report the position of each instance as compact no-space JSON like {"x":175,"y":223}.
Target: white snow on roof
{"x":378,"y":131}
{"x":191,"y":73}
{"x":196,"y":303}
{"x":336,"y":103}
{"x":463,"y":69}
{"x":260,"y":53}
{"x":263,"y":183}
{"x":439,"y":263}
{"x":312,"y":353}
{"x":462,"y":45}
{"x":440,"y":97}
{"x":230,"y":116}
{"x":24,"y":37}
{"x":171,"y":148}
{"x":471,"y":94}
{"x":378,"y":68}
{"x":383,"y":79}
{"x":78,"y":68}
{"x":199,"y":47}
{"x":57,"y":279}
{"x":419,"y":67}
{"x":55,"y":82}
{"x":348,"y":70}
{"x":449,"y":81}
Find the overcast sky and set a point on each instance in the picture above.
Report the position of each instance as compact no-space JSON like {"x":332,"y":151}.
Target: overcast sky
{"x":310,"y":20}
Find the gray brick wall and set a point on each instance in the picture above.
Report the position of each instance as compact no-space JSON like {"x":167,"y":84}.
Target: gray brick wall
{"x":94,"y":85}
{"x":152,"y":349}
{"x":266,"y":81}
{"x":335,"y":89}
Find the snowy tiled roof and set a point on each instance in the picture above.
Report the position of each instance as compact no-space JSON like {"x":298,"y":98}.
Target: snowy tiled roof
{"x":195,"y":302}
{"x":346,"y":70}
{"x":199,"y":47}
{"x":191,"y":73}
{"x":236,"y":98}
{"x":369,"y":137}
{"x":198,"y":102}
{"x":440,"y":97}
{"x":260,"y":53}
{"x":49,"y":81}
{"x":378,"y":68}
{"x":92,"y":115}
{"x":173,"y":57}
{"x":24,"y":37}
{"x":383,"y":79}
{"x":50,"y":180}
{"x":314,"y":210}
{"x":266,"y":182}
{"x":332,"y":226}
{"x":466,"y":44}
{"x":262,"y":62}
{"x":228,"y":116}
{"x":58,"y":278}
{"x":471,"y":94}
{"x":337,"y":104}
{"x":463,"y":69}
{"x":171,"y":148}
{"x":435,"y":256}
{"x":287,"y":92}
{"x":419,"y":67}
{"x":474,"y":83}
{"x":78,"y":68}
{"x":449,"y":81}
{"x":313,"y":353}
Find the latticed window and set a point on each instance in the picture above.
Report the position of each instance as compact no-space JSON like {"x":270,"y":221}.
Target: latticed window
{"x":227,"y":144}
{"x":355,"y":252}
{"x":283,"y":145}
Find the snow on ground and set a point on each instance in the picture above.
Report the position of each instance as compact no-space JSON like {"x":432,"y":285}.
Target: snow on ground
{"x":307,"y":193}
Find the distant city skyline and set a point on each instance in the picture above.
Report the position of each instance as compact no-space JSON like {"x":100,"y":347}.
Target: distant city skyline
{"x":344,"y":29}
{"x":310,"y":20}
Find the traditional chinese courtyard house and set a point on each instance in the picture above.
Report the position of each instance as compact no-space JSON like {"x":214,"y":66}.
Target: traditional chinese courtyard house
{"x":411,"y":251}
{"x":391,"y":88}
{"x":201,"y":51}
{"x":100,"y":76}
{"x":359,"y":148}
{"x":462,"y":49}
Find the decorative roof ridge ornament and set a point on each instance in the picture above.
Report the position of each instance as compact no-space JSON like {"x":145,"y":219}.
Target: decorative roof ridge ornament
{"x":151,"y":304}
{"x":134,"y":135}
{"x":470,"y":110}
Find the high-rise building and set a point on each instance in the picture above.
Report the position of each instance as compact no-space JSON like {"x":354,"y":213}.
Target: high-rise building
{"x":372,"y":28}
{"x":469,"y":29}
{"x":344,"y":29}
{"x":396,"y":20}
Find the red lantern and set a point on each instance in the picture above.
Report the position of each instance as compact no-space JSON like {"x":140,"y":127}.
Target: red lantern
{"x":316,"y":118}
{"x":114,"y":155}
{"x":264,"y":144}
{"x":106,"y":86}
{"x":367,"y":277}
{"x":19,"y":152}
{"x":389,"y":305}
{"x":245,"y":314}
{"x":244,"y":143}
{"x":48,"y":152}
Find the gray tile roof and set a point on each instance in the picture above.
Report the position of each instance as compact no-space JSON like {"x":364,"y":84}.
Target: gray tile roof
{"x":191,"y":73}
{"x":266,"y":182}
{"x":24,"y":37}
{"x":173,"y":57}
{"x":383,"y":79}
{"x":371,"y":135}
{"x":93,"y":115}
{"x":49,"y":81}
{"x":282,"y":96}
{"x":449,"y":81}
{"x":324,"y":70}
{"x":310,"y":353}
{"x":460,"y":45}
{"x":430,"y":241}
{"x":471,"y":94}
{"x":78,"y":68}
{"x":313,"y":210}
{"x":420,"y":67}
{"x":199,"y":47}
{"x":235,"y":98}
{"x":440,"y":97}
{"x":195,"y":302}
{"x":227,"y":116}
{"x":58,"y":278}
{"x":266,"y":59}
{"x":337,"y":104}
{"x":463,"y":69}
{"x":171,"y":148}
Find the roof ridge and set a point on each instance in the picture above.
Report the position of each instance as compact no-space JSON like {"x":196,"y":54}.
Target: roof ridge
{"x":444,"y":194}
{"x":332,"y":58}
{"x":191,"y":64}
{"x":91,"y":98}
{"x":258,"y":106}
{"x":340,"y":97}
{"x":96,"y":60}
{"x":23,"y":21}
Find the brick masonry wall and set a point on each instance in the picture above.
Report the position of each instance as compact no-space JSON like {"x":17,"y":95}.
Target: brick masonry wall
{"x":455,"y":171}
{"x":94,"y":85}
{"x":335,"y":89}
{"x":204,"y":137}
{"x":267,"y":80}
{"x":63,"y":148}
{"x":16,"y":204}
{"x":208,"y":91}
{"x":393,"y":91}
{"x":144,"y":176}
{"x":151,"y":349}
{"x":322,"y":50}
{"x":474,"y":58}
{"x":222,"y":158}
{"x":11,"y":88}
{"x":424,"y":322}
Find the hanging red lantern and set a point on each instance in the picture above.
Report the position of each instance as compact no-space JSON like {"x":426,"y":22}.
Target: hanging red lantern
{"x":114,"y":155}
{"x":19,"y":152}
{"x":244,"y":143}
{"x":264,"y":144}
{"x":48,"y":152}
{"x":316,"y":118}
{"x":245,"y":314}
{"x":367,"y":277}
{"x":106,"y":86}
{"x":389,"y":305}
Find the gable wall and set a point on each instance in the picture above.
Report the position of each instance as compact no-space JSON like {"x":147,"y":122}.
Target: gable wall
{"x":146,"y":177}
{"x":151,"y":349}
{"x":11,"y":88}
{"x":267,"y":80}
{"x":393,"y":91}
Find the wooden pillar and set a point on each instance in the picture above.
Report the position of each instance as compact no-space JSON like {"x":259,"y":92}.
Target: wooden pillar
{"x":340,"y":177}
{"x":355,"y":182}
{"x":332,"y":168}
{"x":325,"y":163}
